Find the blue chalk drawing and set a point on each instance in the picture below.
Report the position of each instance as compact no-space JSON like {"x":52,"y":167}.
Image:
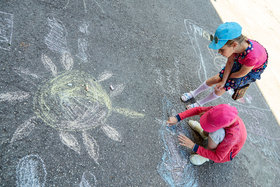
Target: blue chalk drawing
{"x":31,"y":172}
{"x":175,"y":167}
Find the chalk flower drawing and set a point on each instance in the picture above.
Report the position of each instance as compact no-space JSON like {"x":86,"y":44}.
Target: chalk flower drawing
{"x":73,"y":101}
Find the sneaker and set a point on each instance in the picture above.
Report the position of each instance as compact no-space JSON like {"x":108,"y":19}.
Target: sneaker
{"x":196,"y":127}
{"x":198,"y":160}
{"x":186,"y":96}
{"x":192,"y":105}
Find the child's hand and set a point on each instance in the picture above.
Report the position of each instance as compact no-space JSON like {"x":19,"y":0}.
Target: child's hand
{"x":185,"y":141}
{"x":220,"y":86}
{"x":171,"y":121}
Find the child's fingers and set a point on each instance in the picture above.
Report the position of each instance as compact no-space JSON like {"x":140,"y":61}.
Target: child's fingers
{"x":182,"y":140}
{"x":169,"y":123}
{"x":181,"y":136}
{"x":182,"y":144}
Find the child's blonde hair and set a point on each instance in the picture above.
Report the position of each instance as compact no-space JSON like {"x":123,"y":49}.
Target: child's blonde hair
{"x":239,"y":40}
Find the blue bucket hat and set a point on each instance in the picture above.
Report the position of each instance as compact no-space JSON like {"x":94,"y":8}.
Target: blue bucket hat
{"x":226,"y":31}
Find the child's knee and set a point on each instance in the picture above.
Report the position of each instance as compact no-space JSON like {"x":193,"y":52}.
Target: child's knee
{"x":219,"y":92}
{"x":213,"y":80}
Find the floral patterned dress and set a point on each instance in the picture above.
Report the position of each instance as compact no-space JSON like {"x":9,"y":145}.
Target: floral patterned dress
{"x":234,"y":83}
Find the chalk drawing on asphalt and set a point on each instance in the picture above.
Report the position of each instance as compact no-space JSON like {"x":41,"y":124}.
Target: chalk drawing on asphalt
{"x":14,"y":96}
{"x":263,"y":143}
{"x":195,"y":32}
{"x":168,"y":79}
{"x":84,"y":28}
{"x":24,"y":129}
{"x":56,"y":40}
{"x":85,"y":5}
{"x":257,"y":133}
{"x":6,"y":30}
{"x":72,"y":102}
{"x":175,"y":167}
{"x":82,"y":48}
{"x":26,"y":73}
{"x":31,"y":172}
{"x":88,"y":180}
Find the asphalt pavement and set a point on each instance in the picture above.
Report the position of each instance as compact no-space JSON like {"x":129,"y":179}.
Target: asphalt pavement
{"x":86,"y":87}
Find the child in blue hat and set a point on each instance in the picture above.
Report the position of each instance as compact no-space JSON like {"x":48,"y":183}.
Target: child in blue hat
{"x":246,"y":61}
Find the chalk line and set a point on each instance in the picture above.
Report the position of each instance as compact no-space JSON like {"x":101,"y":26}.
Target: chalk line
{"x":6,"y":30}
{"x":82,"y":48}
{"x":24,"y":129}
{"x":14,"y":96}
{"x":49,"y":65}
{"x":85,"y":6}
{"x":31,"y":172}
{"x":174,"y":168}
{"x":67,"y":61}
{"x":195,"y":29}
{"x":84,"y":28}
{"x":91,"y":146}
{"x":99,"y":6}
{"x":21,"y":71}
{"x":128,"y":112}
{"x":111,"y":133}
{"x":88,"y":179}
{"x":56,"y":38}
{"x":104,"y":76}
{"x":70,"y":141}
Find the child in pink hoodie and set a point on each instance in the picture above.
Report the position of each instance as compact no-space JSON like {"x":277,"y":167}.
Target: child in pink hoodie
{"x":225,"y":130}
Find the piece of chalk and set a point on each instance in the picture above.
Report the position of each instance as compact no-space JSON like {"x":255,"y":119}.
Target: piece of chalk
{"x":111,"y":87}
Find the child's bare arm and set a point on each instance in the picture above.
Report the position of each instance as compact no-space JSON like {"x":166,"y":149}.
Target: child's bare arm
{"x":244,"y":70}
{"x":226,"y":74}
{"x":228,"y":67}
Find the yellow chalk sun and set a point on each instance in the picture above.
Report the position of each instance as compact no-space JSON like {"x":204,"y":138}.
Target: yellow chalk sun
{"x":74,"y":101}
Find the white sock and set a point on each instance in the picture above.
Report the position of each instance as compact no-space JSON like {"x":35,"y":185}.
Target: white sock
{"x":200,"y":89}
{"x":207,"y":99}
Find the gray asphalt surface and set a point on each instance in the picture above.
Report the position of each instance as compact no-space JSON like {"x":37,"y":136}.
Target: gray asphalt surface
{"x":86,"y":87}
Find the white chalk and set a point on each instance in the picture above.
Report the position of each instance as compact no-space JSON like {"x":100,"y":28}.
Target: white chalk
{"x":111,"y":87}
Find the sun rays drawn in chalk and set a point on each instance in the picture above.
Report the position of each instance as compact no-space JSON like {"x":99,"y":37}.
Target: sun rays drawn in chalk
{"x":74,"y":101}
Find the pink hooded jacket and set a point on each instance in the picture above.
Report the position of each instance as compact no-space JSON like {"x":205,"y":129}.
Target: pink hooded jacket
{"x":214,"y":118}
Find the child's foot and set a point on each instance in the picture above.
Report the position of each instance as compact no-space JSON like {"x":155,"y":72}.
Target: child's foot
{"x":196,"y":127}
{"x":198,"y":160}
{"x":186,"y":96}
{"x":192,"y":105}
